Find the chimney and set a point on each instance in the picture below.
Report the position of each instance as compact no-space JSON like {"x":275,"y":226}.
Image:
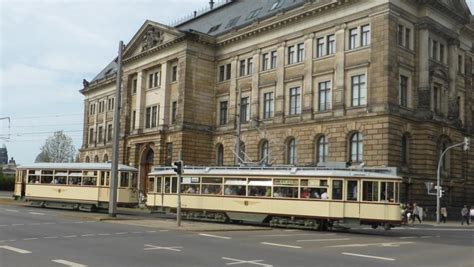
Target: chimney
{"x":211,"y":4}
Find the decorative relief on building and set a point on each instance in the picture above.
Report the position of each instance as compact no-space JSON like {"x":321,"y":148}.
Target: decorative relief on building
{"x":152,"y":38}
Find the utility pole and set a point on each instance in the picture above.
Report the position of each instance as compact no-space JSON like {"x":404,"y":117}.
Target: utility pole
{"x":114,"y":179}
{"x":178,"y":168}
{"x":466,"y":146}
{"x":237,"y":136}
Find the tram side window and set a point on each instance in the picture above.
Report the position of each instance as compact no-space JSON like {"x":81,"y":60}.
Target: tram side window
{"x":313,"y":188}
{"x":287,"y":188}
{"x":370,"y":191}
{"x":387,"y":191}
{"x":167,"y":185}
{"x":124,"y":179}
{"x":337,"y":189}
{"x":89,"y":181}
{"x":46,"y":177}
{"x":235,"y":187}
{"x":352,"y":190}
{"x":151,"y":184}
{"x":102,"y":178}
{"x":33,"y":179}
{"x":74,"y":180}
{"x":211,"y":186}
{"x":260,"y":187}
{"x":60,"y":179}
{"x":190,"y":185}
{"x":107,"y":179}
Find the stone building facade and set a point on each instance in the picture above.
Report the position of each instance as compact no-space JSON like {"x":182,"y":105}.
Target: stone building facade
{"x":379,"y":82}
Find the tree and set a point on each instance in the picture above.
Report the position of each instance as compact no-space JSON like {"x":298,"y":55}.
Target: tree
{"x":57,"y":148}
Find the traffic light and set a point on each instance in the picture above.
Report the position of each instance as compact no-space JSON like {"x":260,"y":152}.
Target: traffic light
{"x":441,"y":193}
{"x":467,"y":143}
{"x":178,"y":167}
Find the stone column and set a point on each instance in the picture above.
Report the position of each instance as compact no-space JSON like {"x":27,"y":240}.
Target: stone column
{"x":232,"y":108}
{"x":164,"y":115}
{"x":453,"y":109}
{"x":254,"y":108}
{"x":424,"y":92}
{"x":280,"y":85}
{"x":307,"y":93}
{"x":338,"y":81}
{"x":140,"y":99}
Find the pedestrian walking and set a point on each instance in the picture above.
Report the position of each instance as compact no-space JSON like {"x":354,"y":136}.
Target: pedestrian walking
{"x":416,"y":213}
{"x":444,"y":214}
{"x":465,"y":215}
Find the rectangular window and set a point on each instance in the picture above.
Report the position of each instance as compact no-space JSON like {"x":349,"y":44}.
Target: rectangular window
{"x":134,"y":115}
{"x":156,"y":79}
{"x":99,"y":135}
{"x":273,"y":61}
{"x":337,"y":189}
{"x":265,"y":61}
{"x":320,"y":47}
{"x":148,"y":118}
{"x":370,"y":191}
{"x":227,"y":72}
{"x":365,"y":35}
{"x":242,"y":68}
{"x":91,"y":136}
{"x":353,"y":34}
{"x":92,"y":109}
{"x":359,"y":90}
{"x":407,"y":38}
{"x":249,"y":66}
{"x":403,"y":91}
{"x":300,"y":52}
{"x":134,"y":86}
{"x":435,"y":50}
{"x":221,"y":73}
{"x":150,"y":80}
{"x":291,"y":54}
{"x":267,"y":105}
{"x":352,"y":190}
{"x":436,"y":99}
{"x":295,"y":101}
{"x":441,"y":53}
{"x":109,"y":132}
{"x":460,"y":65}
{"x":223,"y":113}
{"x":174,"y":76}
{"x":400,"y":34}
{"x":244,"y":110}
{"x":154,"y":113}
{"x":324,"y":96}
{"x":331,"y":44}
{"x":173,"y":112}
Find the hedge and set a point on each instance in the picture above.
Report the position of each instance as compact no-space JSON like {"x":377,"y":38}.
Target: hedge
{"x":7,"y":182}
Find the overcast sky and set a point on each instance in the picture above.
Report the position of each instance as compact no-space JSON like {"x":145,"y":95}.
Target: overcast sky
{"x":48,"y":47}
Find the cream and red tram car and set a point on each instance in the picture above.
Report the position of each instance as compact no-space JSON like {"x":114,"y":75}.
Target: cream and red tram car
{"x":282,"y":196}
{"x":83,"y":186}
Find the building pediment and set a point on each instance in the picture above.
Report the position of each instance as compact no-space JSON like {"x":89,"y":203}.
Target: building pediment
{"x":150,"y":35}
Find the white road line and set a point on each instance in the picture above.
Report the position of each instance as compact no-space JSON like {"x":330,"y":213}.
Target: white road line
{"x":276,"y":235}
{"x":17,"y":224}
{"x":104,"y":234}
{"x":152,"y":247}
{"x":368,"y":256}
{"x":31,"y":238}
{"x":388,"y":244}
{"x":216,"y":236}
{"x":36,"y":213}
{"x":426,"y":236}
{"x":69,"y":263}
{"x":88,"y":235}
{"x":279,"y":245}
{"x":407,"y":237}
{"x":151,"y":231}
{"x":137,"y":232}
{"x":48,"y":223}
{"x":11,"y":210}
{"x":22,"y":251}
{"x":34,"y":223}
{"x":253,"y":262}
{"x":321,"y":240}
{"x":78,"y":222}
{"x":164,"y":230}
{"x":291,"y":230}
{"x":12,"y":240}
{"x":69,"y":236}
{"x":121,"y":233}
{"x":50,"y":237}
{"x":3,"y":225}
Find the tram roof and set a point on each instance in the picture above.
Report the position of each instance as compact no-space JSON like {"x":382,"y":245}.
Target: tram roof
{"x":75,"y":166}
{"x":385,"y":172}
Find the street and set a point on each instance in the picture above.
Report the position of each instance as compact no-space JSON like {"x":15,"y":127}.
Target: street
{"x":46,"y":237}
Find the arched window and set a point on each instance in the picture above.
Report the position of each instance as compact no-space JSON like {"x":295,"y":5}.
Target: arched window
{"x":321,"y":149}
{"x":88,"y":159}
{"x":264,"y":152}
{"x":106,"y":158}
{"x":220,"y":155}
{"x":404,"y":150}
{"x":291,"y":152}
{"x":356,"y":147}
{"x":96,"y":159}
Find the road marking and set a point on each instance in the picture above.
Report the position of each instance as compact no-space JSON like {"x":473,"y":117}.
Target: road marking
{"x":12,"y":240}
{"x":320,"y":240}
{"x":3,"y":225}
{"x":390,"y":244}
{"x":34,"y":223}
{"x":18,"y":224}
{"x":368,"y":256}
{"x":50,"y":237}
{"x":164,"y":230}
{"x":152,"y":247}
{"x":69,"y":236}
{"x":137,"y":232}
{"x":276,"y":235}
{"x":31,"y":238}
{"x":151,"y":231}
{"x":121,"y":233}
{"x":291,"y":230}
{"x":36,"y":213}
{"x":22,"y":251}
{"x":11,"y":210}
{"x":253,"y":262}
{"x":88,"y":235}
{"x":77,"y":222}
{"x":49,"y":223}
{"x":69,"y":263}
{"x":407,"y":237}
{"x":216,"y":236}
{"x":279,"y":245}
{"x":104,"y":234}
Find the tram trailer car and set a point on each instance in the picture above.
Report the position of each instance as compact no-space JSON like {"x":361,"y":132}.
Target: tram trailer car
{"x":78,"y":186}
{"x":313,"y":198}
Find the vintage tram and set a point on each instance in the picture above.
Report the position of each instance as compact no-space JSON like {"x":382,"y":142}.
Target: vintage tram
{"x":316,"y":198}
{"x":81,"y":186}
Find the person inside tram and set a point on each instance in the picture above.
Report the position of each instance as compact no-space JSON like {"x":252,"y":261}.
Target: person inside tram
{"x":315,"y":194}
{"x":305,"y":193}
{"x":324,"y":195}
{"x":229,"y":190}
{"x":268,"y":193}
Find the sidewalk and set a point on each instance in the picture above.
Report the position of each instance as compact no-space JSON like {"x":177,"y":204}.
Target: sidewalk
{"x":456,"y":224}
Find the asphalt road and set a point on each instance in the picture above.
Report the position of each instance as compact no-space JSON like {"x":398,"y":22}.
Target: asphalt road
{"x":45,"y":237}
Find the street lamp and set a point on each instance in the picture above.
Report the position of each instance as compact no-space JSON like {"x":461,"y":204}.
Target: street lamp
{"x":439,"y":192}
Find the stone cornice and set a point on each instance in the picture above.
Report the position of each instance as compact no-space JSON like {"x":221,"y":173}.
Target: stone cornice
{"x":461,"y":18}
{"x":99,"y":83}
{"x":291,"y":17}
{"x":435,"y":27}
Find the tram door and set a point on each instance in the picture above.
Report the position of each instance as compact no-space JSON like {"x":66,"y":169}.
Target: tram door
{"x":23,"y":183}
{"x":353,"y":196}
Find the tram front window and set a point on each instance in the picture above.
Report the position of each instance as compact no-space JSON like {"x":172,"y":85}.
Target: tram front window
{"x":151,"y":184}
{"x":124,"y":179}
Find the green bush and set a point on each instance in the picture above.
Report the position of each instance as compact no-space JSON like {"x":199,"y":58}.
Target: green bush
{"x":7,"y":182}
